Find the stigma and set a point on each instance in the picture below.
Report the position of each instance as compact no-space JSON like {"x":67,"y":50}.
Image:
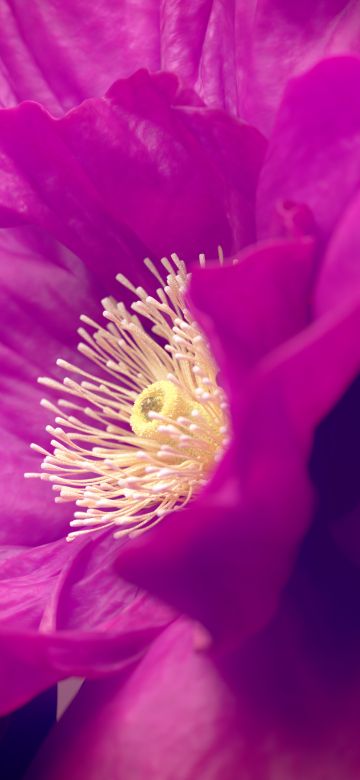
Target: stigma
{"x":138,"y":434}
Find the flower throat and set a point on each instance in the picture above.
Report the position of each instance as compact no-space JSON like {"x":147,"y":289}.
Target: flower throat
{"x":137,"y":436}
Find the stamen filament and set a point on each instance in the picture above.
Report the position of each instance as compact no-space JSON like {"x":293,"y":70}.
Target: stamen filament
{"x":158,"y":417}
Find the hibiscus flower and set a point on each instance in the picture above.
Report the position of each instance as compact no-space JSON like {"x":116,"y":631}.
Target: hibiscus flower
{"x":146,"y":171}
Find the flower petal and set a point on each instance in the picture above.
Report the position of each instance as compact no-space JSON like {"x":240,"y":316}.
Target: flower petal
{"x":132,"y":174}
{"x":65,"y":612}
{"x":273,"y":710}
{"x":339,"y":276}
{"x":60,"y":54}
{"x":43,"y":290}
{"x":314,"y":151}
{"x":278,"y":40}
{"x":226,"y":558}
{"x":116,"y":714}
{"x":236,"y":58}
{"x":240,"y":56}
{"x":252,"y":307}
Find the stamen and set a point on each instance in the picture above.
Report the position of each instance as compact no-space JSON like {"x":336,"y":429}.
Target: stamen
{"x":141,"y":436}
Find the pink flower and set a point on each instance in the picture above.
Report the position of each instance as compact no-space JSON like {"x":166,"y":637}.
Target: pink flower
{"x":265,"y":555}
{"x":119,"y":178}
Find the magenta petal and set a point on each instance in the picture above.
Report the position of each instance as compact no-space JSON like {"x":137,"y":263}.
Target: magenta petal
{"x":272,"y":712}
{"x":90,"y":597}
{"x":27,"y":580}
{"x":236,"y":58}
{"x":64,"y":611}
{"x":43,"y":291}
{"x":278,"y":40}
{"x":339,"y":277}
{"x":239,"y":56}
{"x":29,"y":515}
{"x":314,"y":151}
{"x":199,"y":42}
{"x":191,"y":736}
{"x":226,"y":558}
{"x":250,"y":308}
{"x":131,"y":174}
{"x":61,"y":53}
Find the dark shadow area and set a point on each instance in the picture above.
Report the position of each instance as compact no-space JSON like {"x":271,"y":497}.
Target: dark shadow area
{"x":23,"y":731}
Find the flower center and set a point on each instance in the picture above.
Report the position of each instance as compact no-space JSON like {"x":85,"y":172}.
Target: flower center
{"x":139,"y":438}
{"x":160,"y":399}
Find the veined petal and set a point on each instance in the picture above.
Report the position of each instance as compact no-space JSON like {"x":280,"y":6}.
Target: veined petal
{"x":64,"y":611}
{"x":237,"y":57}
{"x":278,"y":40}
{"x":314,"y":149}
{"x":60,"y":54}
{"x":132,"y":174}
{"x":43,"y":289}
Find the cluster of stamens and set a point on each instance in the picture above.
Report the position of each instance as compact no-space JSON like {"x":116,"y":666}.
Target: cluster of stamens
{"x":136,"y":440}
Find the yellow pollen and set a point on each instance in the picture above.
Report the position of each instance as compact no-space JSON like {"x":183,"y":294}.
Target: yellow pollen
{"x":161,"y":399}
{"x":136,"y":436}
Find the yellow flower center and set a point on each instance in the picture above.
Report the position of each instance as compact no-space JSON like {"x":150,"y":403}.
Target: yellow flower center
{"x":142,"y":435}
{"x":160,"y":399}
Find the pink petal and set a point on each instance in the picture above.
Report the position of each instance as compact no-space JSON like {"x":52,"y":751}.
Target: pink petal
{"x":237,"y":58}
{"x":249,"y":308}
{"x":199,"y":41}
{"x":273,"y":710}
{"x":132,"y":174}
{"x":278,"y":40}
{"x":61,"y":53}
{"x":176,"y":696}
{"x":85,"y":179}
{"x":314,"y":152}
{"x":64,"y":611}
{"x":240,"y":56}
{"x":226,"y":558}
{"x":339,"y":277}
{"x":43,"y":291}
